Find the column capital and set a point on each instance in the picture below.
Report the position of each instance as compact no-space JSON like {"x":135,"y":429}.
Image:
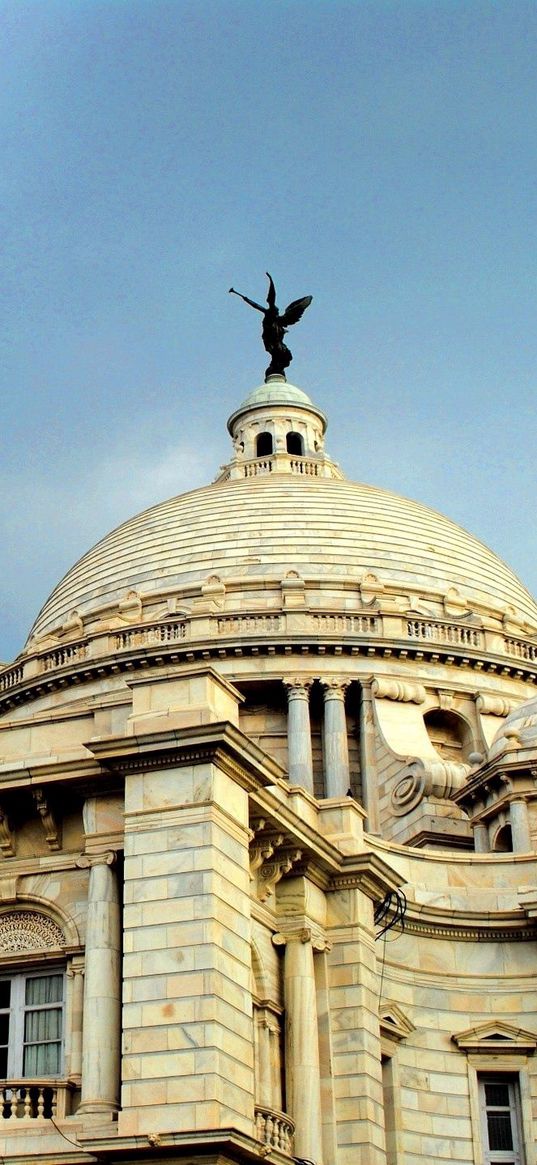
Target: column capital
{"x":304,"y":935}
{"x":86,"y":861}
{"x":297,"y":687}
{"x":334,"y":687}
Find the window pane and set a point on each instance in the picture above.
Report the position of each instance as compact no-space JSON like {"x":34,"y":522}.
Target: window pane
{"x":42,"y":1060}
{"x":500,"y":1131}
{"x":45,"y":989}
{"x":4,"y":1028}
{"x":43,"y":1025}
{"x":3,"y":1063}
{"x":5,"y":992}
{"x":497,"y":1093}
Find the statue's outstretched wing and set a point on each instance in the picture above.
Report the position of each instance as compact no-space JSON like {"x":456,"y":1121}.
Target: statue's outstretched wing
{"x":271,"y":297}
{"x":294,"y":312}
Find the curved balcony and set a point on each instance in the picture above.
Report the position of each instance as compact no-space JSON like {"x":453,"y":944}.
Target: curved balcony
{"x":275,"y":1129}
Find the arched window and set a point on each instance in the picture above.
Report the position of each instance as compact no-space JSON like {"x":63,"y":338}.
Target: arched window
{"x":263,"y":445}
{"x":34,"y":1069}
{"x":503,"y":841}
{"x":295,"y":444}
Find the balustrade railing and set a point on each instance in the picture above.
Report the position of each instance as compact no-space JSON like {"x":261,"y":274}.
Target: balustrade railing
{"x":347,"y":624}
{"x":429,"y":629}
{"x":249,"y":624}
{"x":175,"y":631}
{"x":33,"y":1100}
{"x":275,"y":1129}
{"x":150,"y":636}
{"x":62,"y":656}
{"x":11,"y":677}
{"x":521,"y":649}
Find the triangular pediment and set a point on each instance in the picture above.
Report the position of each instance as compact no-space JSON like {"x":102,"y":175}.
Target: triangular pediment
{"x":394,"y":1024}
{"x":496,"y":1036}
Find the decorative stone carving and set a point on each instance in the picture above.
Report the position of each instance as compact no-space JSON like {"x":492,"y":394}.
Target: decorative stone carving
{"x":386,"y":689}
{"x":494,"y":705}
{"x":130,"y":607}
{"x":293,"y":590}
{"x":427,"y":778}
{"x":50,"y":827}
{"x":271,"y":873}
{"x":454,"y":603}
{"x":370,"y":588}
{"x":28,"y":930}
{"x":7,"y":837}
{"x":262,"y":851}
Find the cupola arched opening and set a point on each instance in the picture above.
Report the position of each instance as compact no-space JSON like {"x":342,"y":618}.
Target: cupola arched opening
{"x":264,"y":444}
{"x":294,"y":444}
{"x":449,"y":734}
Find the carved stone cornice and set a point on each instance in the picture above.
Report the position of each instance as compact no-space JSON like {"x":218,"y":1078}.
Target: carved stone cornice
{"x":369,"y":873}
{"x":220,"y":744}
{"x":467,"y":926}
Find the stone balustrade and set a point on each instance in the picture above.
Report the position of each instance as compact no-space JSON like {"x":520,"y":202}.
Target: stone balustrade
{"x":275,"y":1129}
{"x":30,"y":1100}
{"x":431,"y":629}
{"x":419,"y":632}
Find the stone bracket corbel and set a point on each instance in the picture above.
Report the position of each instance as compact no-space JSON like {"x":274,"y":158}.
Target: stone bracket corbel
{"x":50,"y":826}
{"x":272,"y":872}
{"x":7,"y":836}
{"x":261,"y":851}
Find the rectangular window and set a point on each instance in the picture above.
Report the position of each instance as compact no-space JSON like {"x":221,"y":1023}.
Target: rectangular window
{"x":31,"y":1026}
{"x":500,"y":1117}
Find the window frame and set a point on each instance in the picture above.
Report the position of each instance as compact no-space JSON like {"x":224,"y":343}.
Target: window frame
{"x":19,"y":1008}
{"x":514,"y":1156}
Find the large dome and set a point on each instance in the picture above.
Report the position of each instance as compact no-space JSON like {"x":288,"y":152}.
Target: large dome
{"x":262,"y":527}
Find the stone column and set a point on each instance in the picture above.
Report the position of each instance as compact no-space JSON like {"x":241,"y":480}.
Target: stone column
{"x":299,"y":757}
{"x":102,"y":990}
{"x":336,"y":749}
{"x":520,"y":826}
{"x":481,"y":838}
{"x":368,"y":768}
{"x":303,"y":1077}
{"x":75,"y":973}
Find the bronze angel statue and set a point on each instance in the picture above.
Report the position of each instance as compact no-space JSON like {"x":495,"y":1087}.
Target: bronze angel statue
{"x":276,"y":325}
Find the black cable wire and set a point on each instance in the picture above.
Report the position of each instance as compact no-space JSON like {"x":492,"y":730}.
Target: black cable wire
{"x":391,"y":911}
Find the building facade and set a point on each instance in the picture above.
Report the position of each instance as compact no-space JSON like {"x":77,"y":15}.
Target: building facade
{"x":268,"y":832}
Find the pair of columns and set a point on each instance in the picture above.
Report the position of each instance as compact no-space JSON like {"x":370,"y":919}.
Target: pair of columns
{"x":520,"y":829}
{"x":336,"y":751}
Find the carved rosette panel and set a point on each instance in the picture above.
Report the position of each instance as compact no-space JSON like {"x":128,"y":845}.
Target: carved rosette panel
{"x":27,"y":930}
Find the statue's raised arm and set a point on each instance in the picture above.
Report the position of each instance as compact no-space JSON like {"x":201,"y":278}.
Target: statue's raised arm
{"x":275,"y":326}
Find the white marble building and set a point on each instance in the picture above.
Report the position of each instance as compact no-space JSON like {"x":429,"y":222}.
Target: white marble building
{"x":242,"y":723}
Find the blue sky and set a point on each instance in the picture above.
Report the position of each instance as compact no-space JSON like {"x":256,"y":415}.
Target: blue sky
{"x":381,"y":156}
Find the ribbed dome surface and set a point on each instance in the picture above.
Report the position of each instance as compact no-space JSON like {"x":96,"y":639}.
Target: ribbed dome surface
{"x":265,"y":526}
